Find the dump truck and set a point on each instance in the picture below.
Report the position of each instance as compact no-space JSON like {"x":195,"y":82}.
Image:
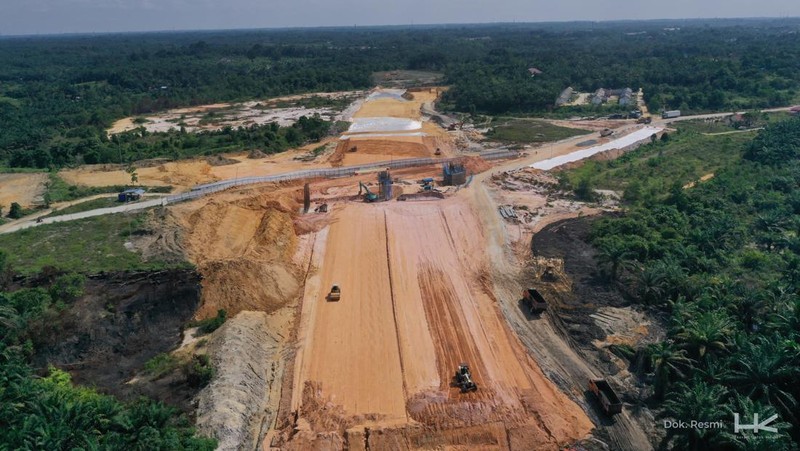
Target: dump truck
{"x":335,"y":293}
{"x":670,"y":114}
{"x":463,"y":379}
{"x":606,"y":132}
{"x":605,"y":394}
{"x":644,"y":120}
{"x":534,"y":301}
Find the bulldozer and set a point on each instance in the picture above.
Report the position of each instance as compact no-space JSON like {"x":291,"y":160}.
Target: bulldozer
{"x":335,"y":293}
{"x":463,"y":379}
{"x":369,"y":196}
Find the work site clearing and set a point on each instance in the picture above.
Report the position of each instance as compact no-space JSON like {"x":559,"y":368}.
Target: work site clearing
{"x":420,"y":293}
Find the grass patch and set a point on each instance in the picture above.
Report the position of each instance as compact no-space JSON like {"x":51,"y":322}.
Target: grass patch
{"x":86,"y":246}
{"x":652,"y":169}
{"x":700,"y":126}
{"x":59,"y":190}
{"x":161,"y":365}
{"x":529,"y":131}
{"x":7,"y":170}
{"x":103,"y":202}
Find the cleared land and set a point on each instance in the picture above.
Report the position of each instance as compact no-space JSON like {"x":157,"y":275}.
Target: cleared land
{"x":25,"y":189}
{"x":282,"y":110}
{"x":415,"y":304}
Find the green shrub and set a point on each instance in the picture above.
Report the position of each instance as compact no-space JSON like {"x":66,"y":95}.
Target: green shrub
{"x":160,"y":365}
{"x":199,"y":371}
{"x":209,"y":325}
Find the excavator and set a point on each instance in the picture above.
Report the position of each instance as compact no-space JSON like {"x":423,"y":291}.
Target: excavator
{"x":369,"y":196}
{"x":463,"y":379}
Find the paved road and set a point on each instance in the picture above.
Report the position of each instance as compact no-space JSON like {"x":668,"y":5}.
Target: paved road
{"x":714,"y":115}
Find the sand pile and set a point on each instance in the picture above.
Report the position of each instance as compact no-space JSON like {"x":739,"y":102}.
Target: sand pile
{"x":244,"y":251}
{"x":474,"y":165}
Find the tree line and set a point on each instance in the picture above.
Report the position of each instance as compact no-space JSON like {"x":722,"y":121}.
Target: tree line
{"x":721,"y":261}
{"x":58,"y":95}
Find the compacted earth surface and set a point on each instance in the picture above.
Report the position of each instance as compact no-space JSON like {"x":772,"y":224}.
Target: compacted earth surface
{"x":426,"y":284}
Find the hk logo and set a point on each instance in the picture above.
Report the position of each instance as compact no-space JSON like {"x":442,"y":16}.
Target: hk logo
{"x":756,"y":426}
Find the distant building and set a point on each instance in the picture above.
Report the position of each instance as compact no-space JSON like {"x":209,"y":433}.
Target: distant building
{"x":600,"y":97}
{"x":564,"y":97}
{"x":626,"y":97}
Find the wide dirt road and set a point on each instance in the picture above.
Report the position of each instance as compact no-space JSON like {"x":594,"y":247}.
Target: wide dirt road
{"x":415,"y":303}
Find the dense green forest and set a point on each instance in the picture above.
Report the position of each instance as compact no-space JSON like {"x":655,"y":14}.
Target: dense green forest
{"x":50,"y":412}
{"x":59,"y":94}
{"x":721,"y":262}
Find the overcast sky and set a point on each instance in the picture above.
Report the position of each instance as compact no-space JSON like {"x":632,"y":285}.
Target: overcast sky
{"x":88,"y":16}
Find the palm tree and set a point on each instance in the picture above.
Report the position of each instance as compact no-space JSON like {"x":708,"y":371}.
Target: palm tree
{"x":767,"y":370}
{"x":698,"y":401}
{"x":613,"y":255}
{"x":667,"y":363}
{"x":747,"y":440}
{"x":651,"y":284}
{"x":709,"y":330}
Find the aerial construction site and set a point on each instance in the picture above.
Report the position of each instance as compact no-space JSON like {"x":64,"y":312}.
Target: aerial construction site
{"x":380,"y":308}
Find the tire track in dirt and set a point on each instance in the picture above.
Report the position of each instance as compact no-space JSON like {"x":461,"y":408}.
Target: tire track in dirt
{"x":394,"y":306}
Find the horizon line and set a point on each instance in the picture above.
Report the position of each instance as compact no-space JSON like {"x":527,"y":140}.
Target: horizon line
{"x":401,"y":26}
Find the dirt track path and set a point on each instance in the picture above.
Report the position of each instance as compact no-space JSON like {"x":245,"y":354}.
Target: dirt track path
{"x":558,"y":359}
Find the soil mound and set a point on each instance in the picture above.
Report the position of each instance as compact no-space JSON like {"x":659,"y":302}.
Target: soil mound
{"x":256,"y":154}
{"x":245,"y":284}
{"x":475,"y":165}
{"x":244,"y":252}
{"x":233,"y":407}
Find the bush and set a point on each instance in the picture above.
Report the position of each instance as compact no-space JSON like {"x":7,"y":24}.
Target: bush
{"x":15,"y":212}
{"x":199,"y":371}
{"x":584,"y":191}
{"x":67,"y":288}
{"x":160,"y":365}
{"x":209,"y":325}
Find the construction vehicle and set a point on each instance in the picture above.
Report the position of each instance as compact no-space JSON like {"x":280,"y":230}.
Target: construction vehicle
{"x":644,"y":120}
{"x":606,"y":132}
{"x":369,"y":196}
{"x":549,"y":274}
{"x":605,"y":394}
{"x":335,"y":294}
{"x":353,"y":149}
{"x":671,"y":114}
{"x":534,"y":301}
{"x":438,"y":151}
{"x":463,"y":379}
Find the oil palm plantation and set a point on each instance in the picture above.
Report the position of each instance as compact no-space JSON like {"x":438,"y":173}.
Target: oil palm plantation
{"x":696,"y":401}
{"x":708,"y":331}
{"x":668,"y":363}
